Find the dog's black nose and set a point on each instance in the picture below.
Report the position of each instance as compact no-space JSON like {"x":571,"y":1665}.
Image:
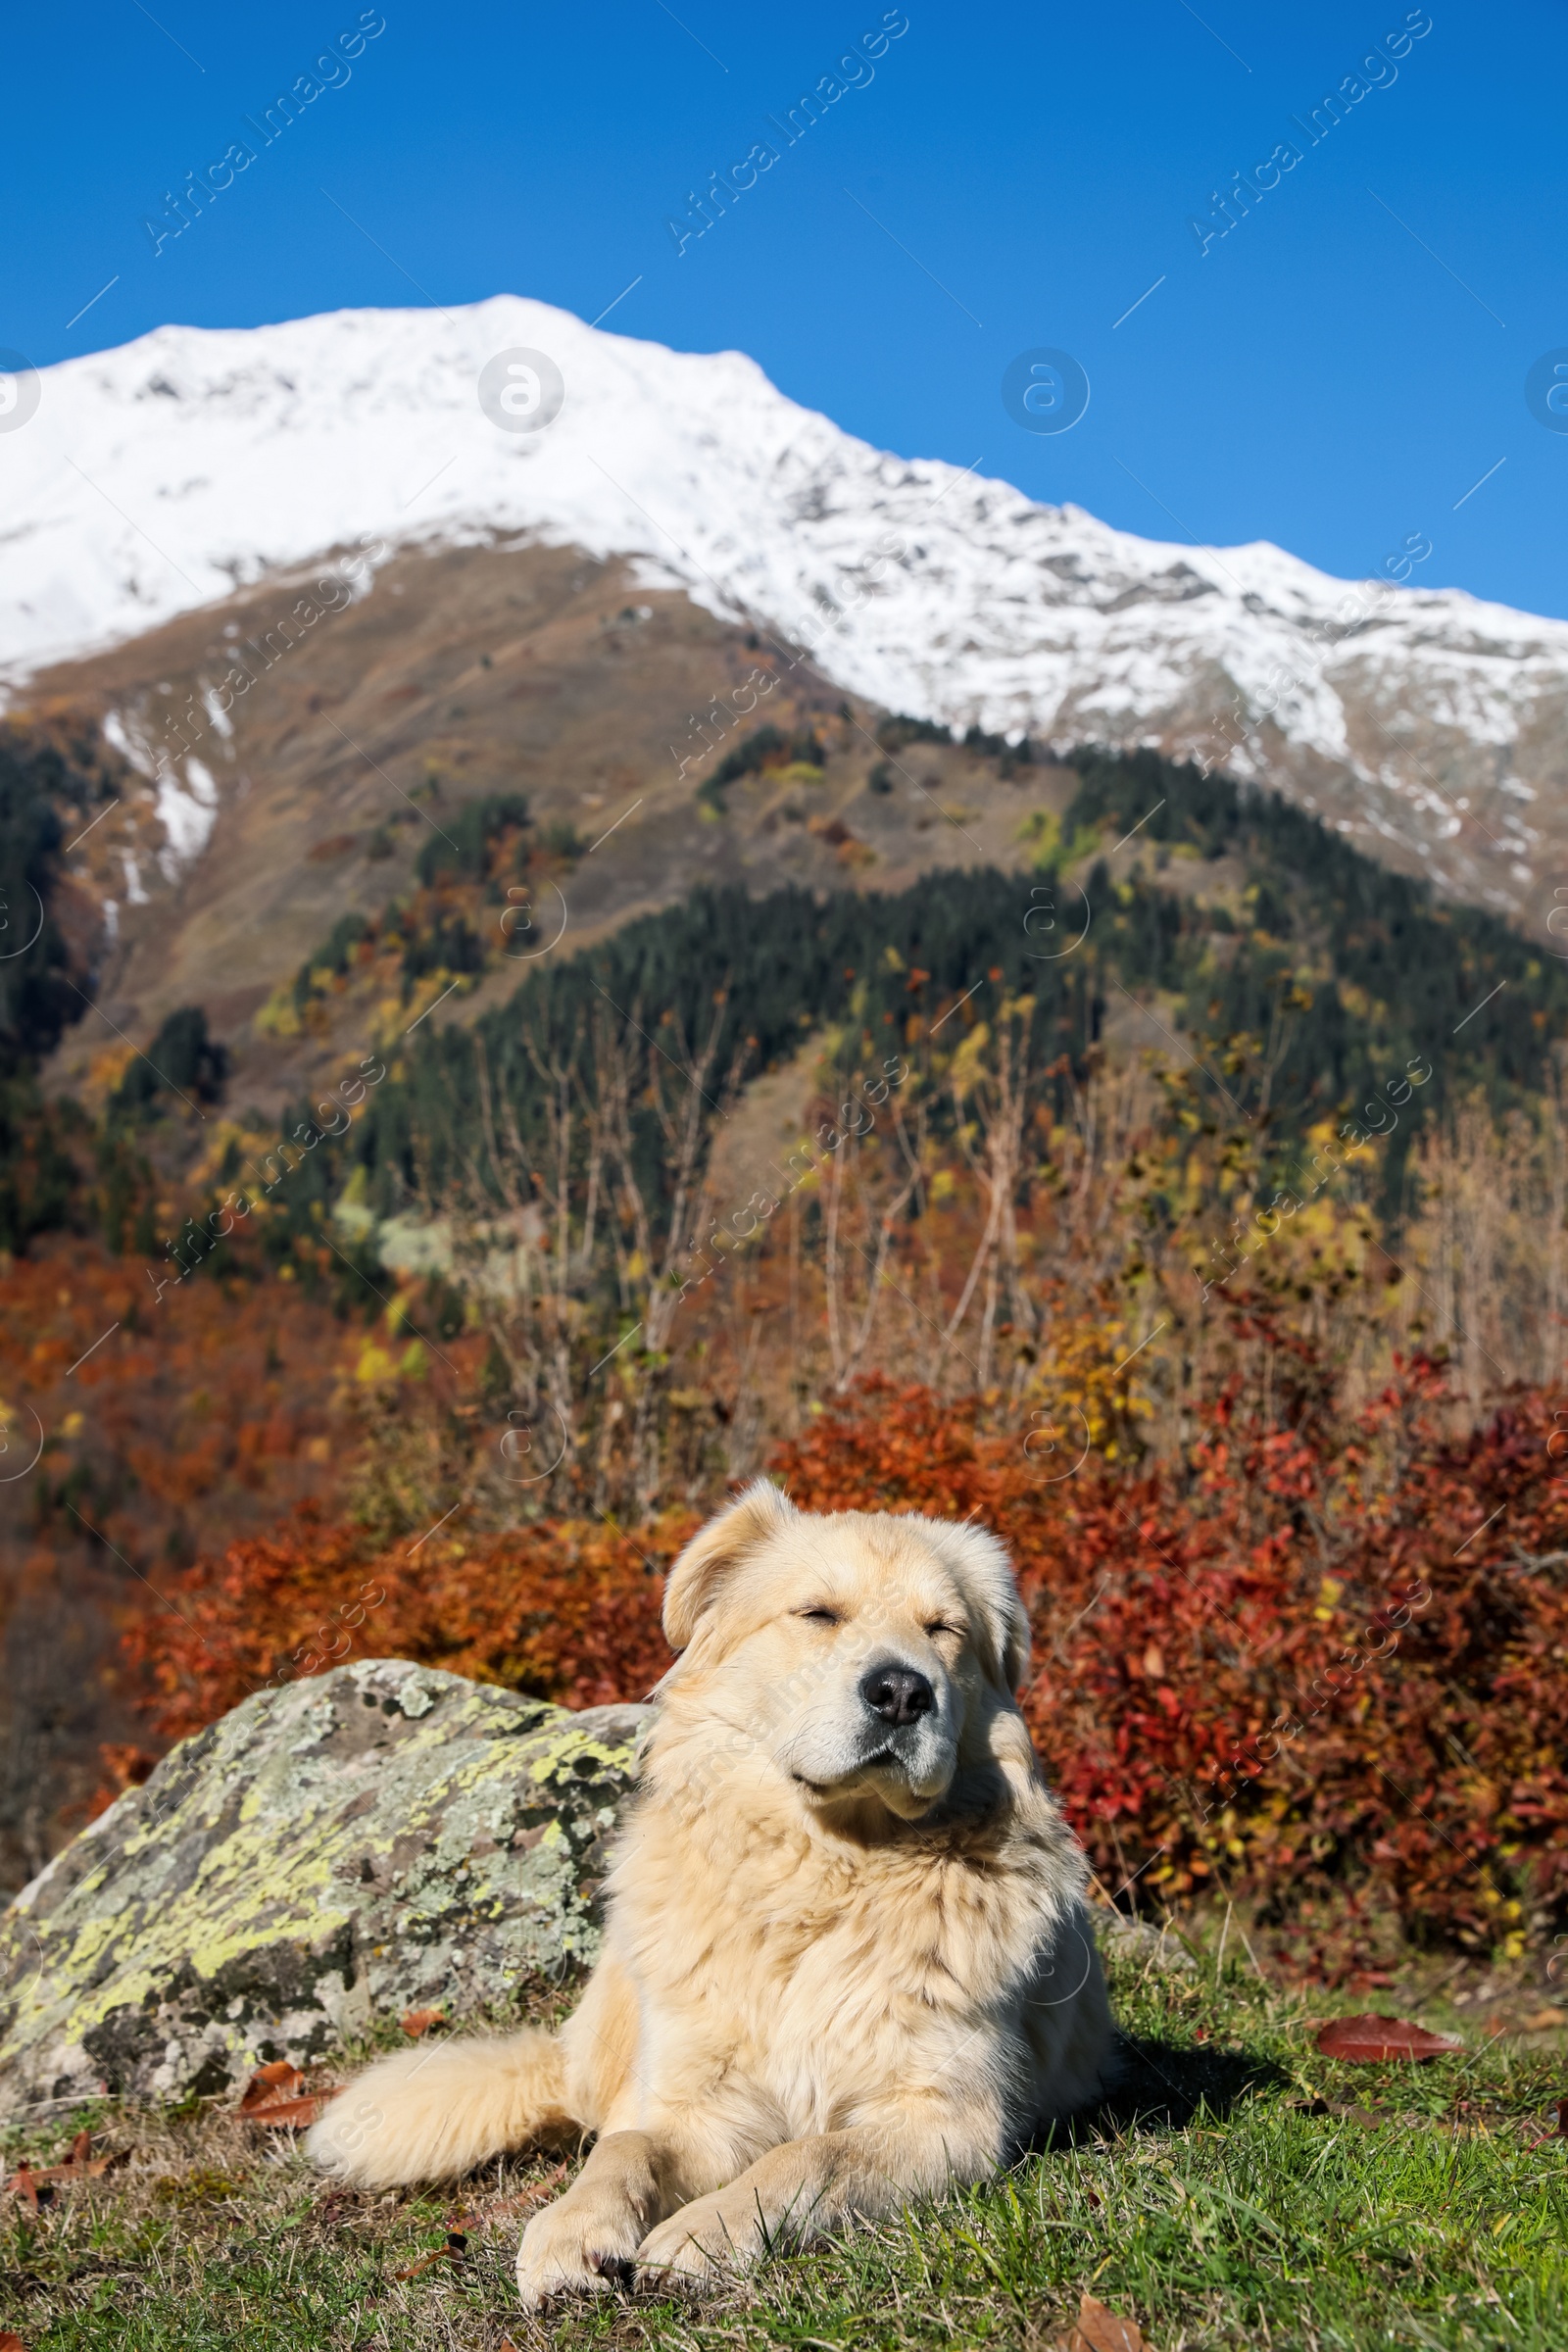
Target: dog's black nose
{"x":898,"y":1693}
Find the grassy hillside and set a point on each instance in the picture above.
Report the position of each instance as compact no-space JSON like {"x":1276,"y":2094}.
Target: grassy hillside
{"x":1241,"y":2190}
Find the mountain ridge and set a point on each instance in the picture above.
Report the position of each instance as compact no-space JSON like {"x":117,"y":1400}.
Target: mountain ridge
{"x":163,"y":476}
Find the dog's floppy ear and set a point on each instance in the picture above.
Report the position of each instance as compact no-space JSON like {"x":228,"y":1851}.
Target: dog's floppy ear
{"x":987,"y":1572}
{"x":708,"y":1559}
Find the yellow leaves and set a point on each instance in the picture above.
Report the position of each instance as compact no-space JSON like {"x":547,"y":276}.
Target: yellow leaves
{"x":279,"y":1016}
{"x":106,"y":1070}
{"x":967,"y":1066}
{"x":1041,"y":832}
{"x":1077,"y":1387}
{"x":377,"y":1364}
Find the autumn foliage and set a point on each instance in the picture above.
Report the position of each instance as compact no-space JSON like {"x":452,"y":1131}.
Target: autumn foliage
{"x":566,"y":1609}
{"x":1318,"y":1662}
{"x":1323,"y":1661}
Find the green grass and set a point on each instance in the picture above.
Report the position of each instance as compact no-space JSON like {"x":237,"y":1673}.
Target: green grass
{"x":1243,"y":2191}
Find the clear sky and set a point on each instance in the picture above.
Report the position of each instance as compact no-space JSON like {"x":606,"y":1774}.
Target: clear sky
{"x":1335,"y":373}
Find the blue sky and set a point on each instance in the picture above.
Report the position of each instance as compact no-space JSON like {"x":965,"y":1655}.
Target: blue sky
{"x":1335,"y":373}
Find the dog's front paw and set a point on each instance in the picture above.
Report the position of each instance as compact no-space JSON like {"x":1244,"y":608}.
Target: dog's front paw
{"x":574,"y":2247}
{"x":699,"y":2247}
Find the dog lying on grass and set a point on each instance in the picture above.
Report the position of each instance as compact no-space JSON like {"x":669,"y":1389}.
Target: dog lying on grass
{"x":847,"y":1958}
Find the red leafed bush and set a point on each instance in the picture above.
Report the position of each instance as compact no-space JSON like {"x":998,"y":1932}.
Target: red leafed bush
{"x":1312,"y":1666}
{"x":566,"y":1610}
{"x":1329,"y":1659}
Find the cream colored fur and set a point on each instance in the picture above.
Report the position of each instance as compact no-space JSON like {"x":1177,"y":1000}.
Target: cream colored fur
{"x":847,"y":1958}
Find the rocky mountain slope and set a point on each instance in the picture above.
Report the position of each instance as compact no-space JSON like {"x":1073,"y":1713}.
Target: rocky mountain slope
{"x":193,"y":466}
{"x":467,"y":675}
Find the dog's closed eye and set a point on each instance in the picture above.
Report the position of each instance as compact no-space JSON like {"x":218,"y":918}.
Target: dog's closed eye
{"x":819,"y":1616}
{"x":940,"y":1625}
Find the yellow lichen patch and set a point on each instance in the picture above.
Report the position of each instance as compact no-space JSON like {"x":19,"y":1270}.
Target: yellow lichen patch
{"x":360,"y":1845}
{"x":570,"y":1749}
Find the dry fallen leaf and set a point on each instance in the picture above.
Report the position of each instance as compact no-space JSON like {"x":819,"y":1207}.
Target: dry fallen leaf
{"x":277,"y":2080}
{"x":1369,"y":2038}
{"x":1543,"y":2020}
{"x":80,"y":2165}
{"x":11,"y":2343}
{"x":419,"y":2021}
{"x":292,"y":2115}
{"x":272,"y":2097}
{"x":1102,"y":2329}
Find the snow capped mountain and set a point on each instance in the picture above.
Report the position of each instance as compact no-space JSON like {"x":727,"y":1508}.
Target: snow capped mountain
{"x":160,"y":476}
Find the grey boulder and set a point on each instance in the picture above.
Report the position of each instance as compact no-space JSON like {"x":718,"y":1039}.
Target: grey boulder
{"x":330,"y":1854}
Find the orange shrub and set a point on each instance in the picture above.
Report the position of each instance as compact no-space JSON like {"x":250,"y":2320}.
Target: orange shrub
{"x":567,"y":1610}
{"x":1328,"y":1660}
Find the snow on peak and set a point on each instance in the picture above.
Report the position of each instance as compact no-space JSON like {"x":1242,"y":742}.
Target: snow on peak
{"x":162,"y":475}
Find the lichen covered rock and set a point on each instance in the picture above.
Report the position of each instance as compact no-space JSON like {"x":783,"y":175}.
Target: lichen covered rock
{"x":380,"y":1838}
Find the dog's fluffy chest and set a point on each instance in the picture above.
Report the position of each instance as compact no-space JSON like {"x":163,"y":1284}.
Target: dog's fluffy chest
{"x":829,"y":1978}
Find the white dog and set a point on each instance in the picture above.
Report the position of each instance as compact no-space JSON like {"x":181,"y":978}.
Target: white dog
{"x":848,"y":1959}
